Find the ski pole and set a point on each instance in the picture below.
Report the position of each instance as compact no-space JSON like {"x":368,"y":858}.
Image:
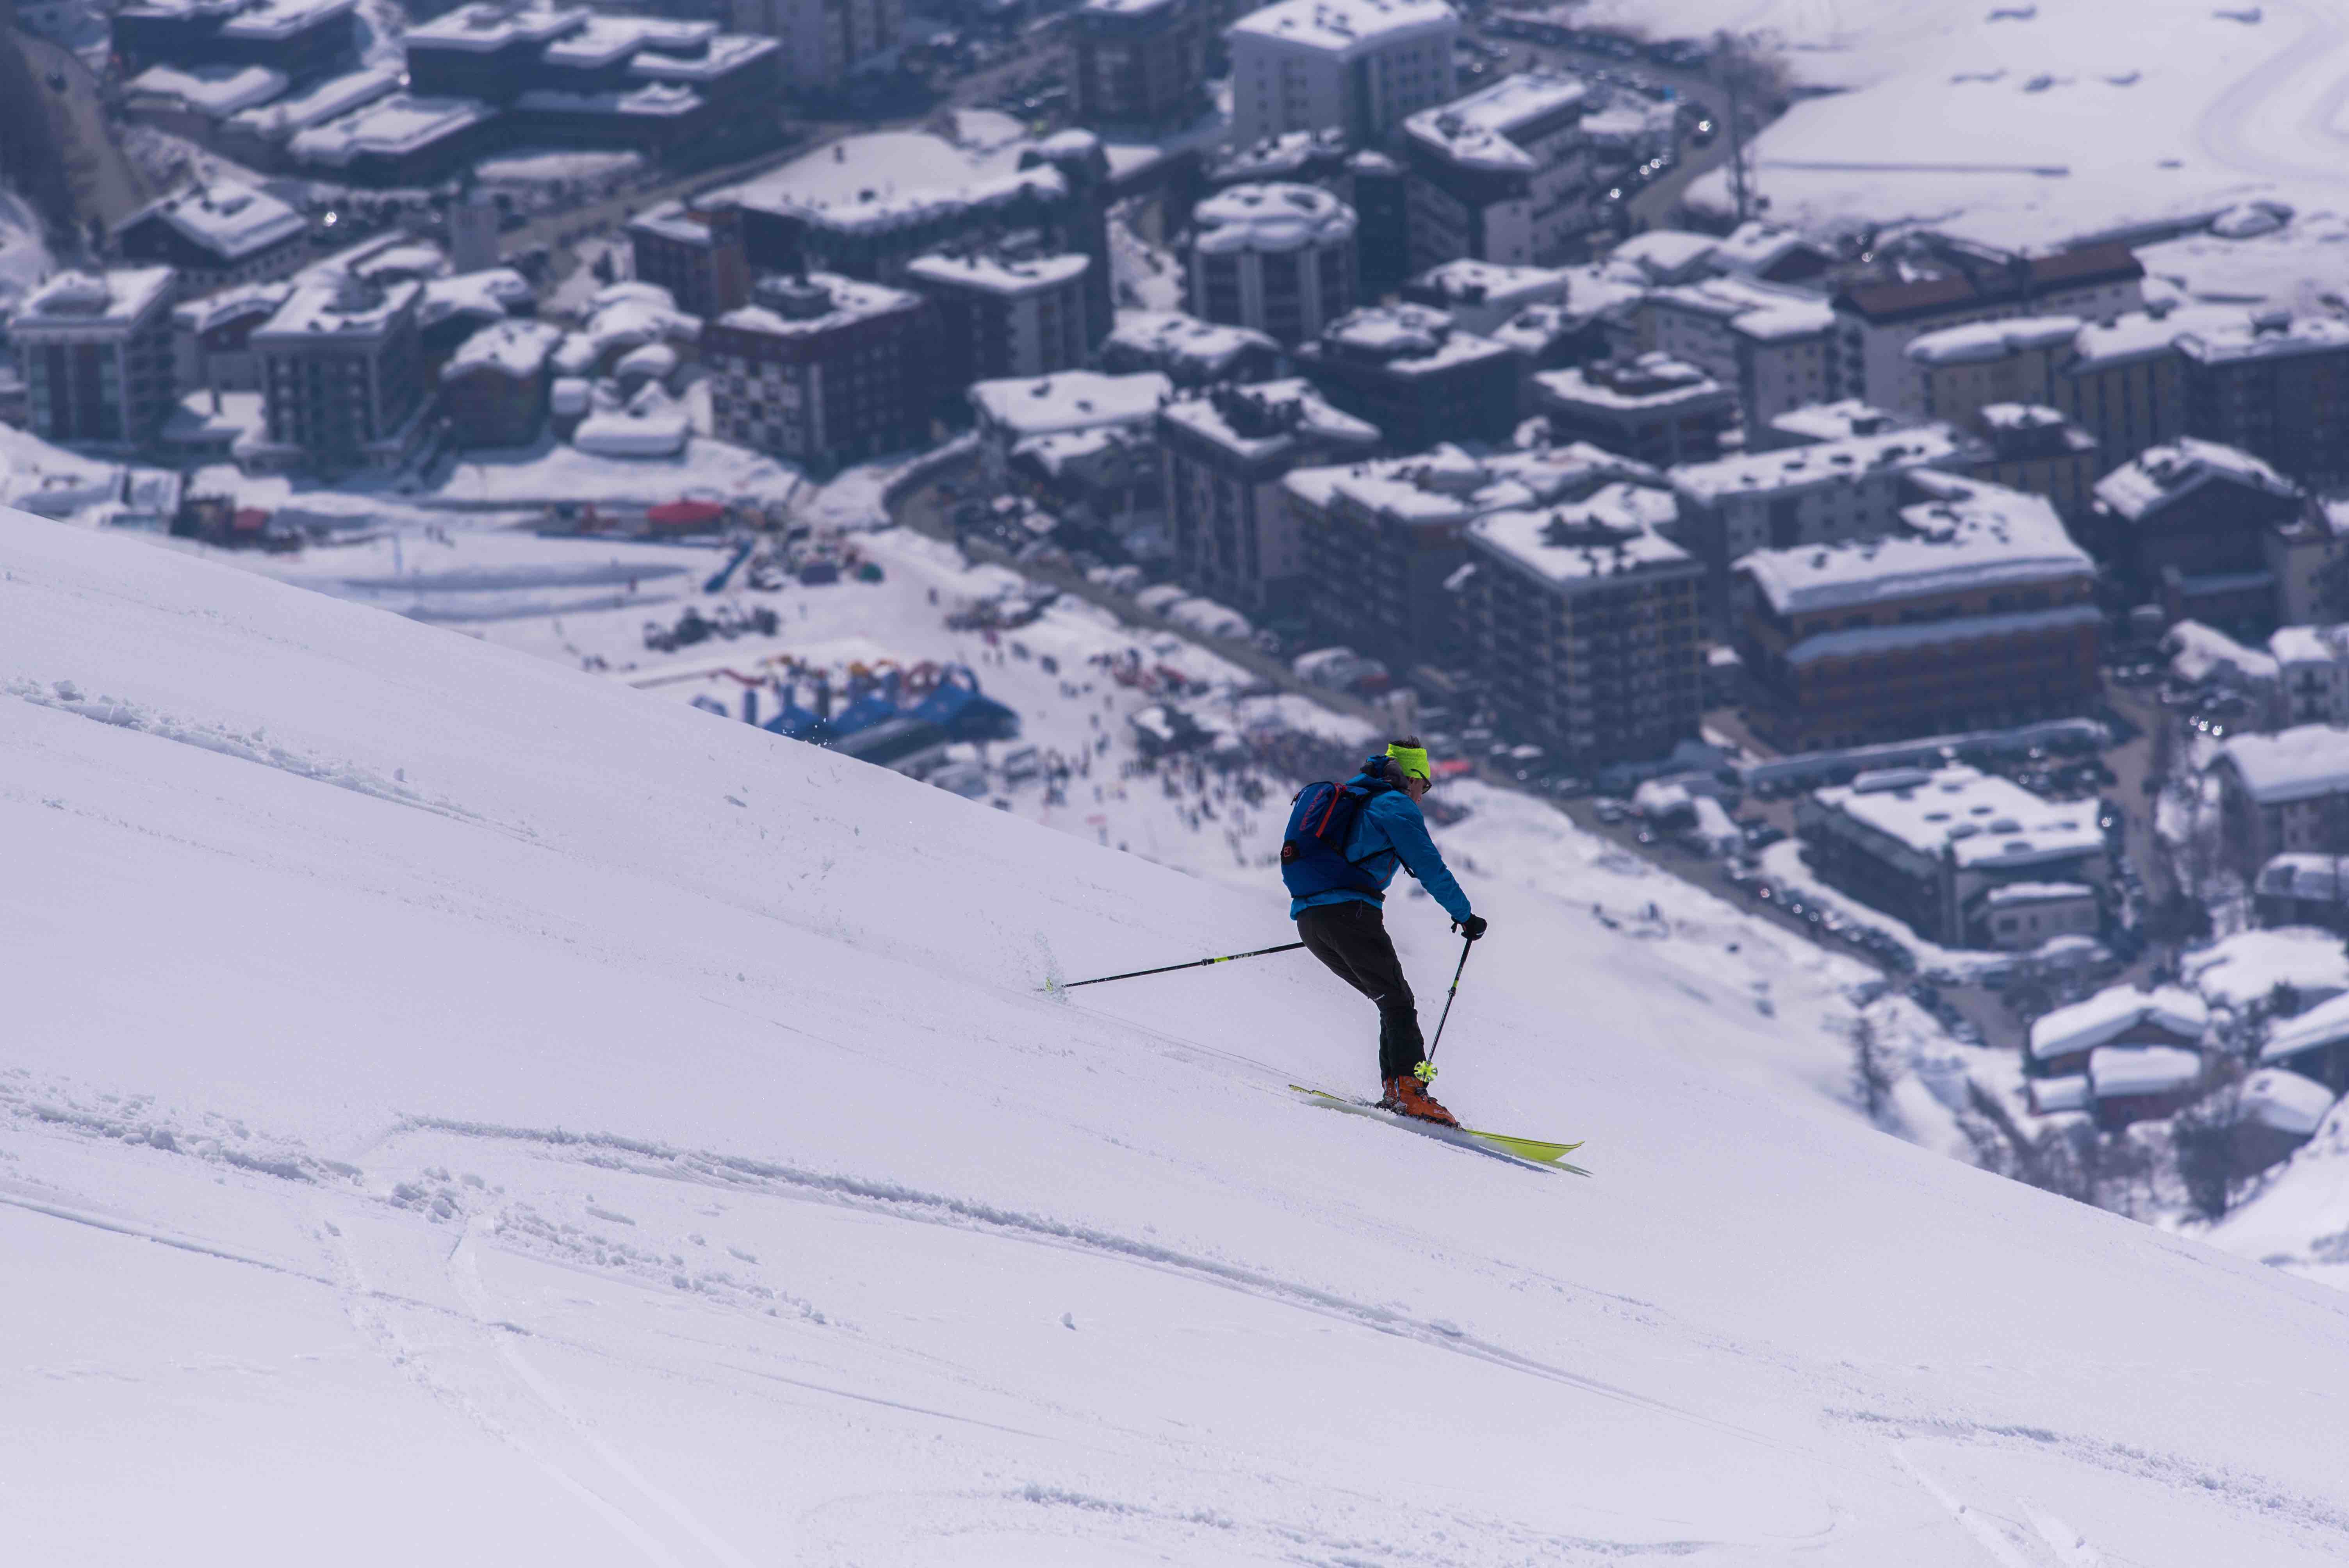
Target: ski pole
{"x":1440,"y":1022}
{"x":1170,"y":968}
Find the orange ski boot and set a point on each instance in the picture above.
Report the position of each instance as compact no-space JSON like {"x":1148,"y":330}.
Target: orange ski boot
{"x":1406,"y":1096}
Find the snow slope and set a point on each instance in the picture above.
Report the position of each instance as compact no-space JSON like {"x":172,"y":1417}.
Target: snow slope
{"x":2034,"y":121}
{"x":578,"y":1130}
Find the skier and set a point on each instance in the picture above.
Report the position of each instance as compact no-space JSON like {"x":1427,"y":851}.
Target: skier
{"x":1342,"y":925}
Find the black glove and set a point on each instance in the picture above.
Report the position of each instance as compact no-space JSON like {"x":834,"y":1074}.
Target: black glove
{"x":1472,"y":928}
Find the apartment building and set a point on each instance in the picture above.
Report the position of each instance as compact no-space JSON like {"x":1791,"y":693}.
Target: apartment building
{"x":1652,"y":408}
{"x":95,"y":349}
{"x":1503,"y":175}
{"x":1949,"y":284}
{"x":343,"y":376}
{"x":1277,"y":257}
{"x":823,"y":370}
{"x":1582,"y":621}
{"x":1226,"y":451}
{"x":1360,"y":67}
{"x":1977,"y":612}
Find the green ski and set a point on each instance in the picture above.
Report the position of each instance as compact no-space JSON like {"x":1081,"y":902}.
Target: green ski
{"x":1538,"y":1151}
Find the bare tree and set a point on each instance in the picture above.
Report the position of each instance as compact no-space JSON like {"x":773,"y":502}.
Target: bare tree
{"x":1871,"y":1068}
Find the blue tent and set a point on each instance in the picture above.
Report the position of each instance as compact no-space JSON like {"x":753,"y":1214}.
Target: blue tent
{"x":957,"y":708}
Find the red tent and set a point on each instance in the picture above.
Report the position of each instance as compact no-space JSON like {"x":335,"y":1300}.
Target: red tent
{"x":685,"y":514}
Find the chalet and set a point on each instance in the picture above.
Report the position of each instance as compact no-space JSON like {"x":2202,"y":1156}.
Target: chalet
{"x":2188,"y":523}
{"x":2064,"y":1043}
{"x":2315,"y":1045}
{"x":2278,"y":1111}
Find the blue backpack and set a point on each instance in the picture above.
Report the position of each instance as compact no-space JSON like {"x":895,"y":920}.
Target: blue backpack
{"x":1313,"y":850}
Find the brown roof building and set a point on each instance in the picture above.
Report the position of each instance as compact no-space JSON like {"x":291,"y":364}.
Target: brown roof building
{"x":1878,"y":321}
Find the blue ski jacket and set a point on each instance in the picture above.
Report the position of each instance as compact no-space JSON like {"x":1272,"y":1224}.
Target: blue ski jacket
{"x":1390,"y":833}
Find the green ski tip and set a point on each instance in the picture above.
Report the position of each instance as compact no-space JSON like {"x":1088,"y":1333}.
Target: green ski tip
{"x":1539,"y":1150}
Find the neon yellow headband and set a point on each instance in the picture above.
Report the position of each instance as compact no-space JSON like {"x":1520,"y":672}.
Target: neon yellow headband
{"x":1410,"y":760}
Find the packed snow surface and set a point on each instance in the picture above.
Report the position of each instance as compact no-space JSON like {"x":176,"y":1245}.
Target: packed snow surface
{"x":2022,"y":123}
{"x":580,"y":1129}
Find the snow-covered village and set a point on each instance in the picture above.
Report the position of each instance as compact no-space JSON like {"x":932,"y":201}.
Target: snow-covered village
{"x":1764,"y":583}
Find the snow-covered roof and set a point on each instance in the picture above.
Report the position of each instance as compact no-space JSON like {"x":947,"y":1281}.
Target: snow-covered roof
{"x":2282,"y":1099}
{"x":2198,"y":652}
{"x":2160,"y":475}
{"x":209,"y":418}
{"x":1447,"y":484}
{"x":654,"y":101}
{"x":387,"y":128}
{"x":1979,"y":821}
{"x":1756,"y":247}
{"x":273,"y":20}
{"x":2144,"y":333}
{"x":515,"y":348}
{"x":1570,"y":547}
{"x":846,"y":300}
{"x":82,"y":300}
{"x":319,"y":102}
{"x":878,"y":210}
{"x":1270,"y":217}
{"x":1986,"y":340}
{"x":1412,"y":339}
{"x":344,"y":308}
{"x":2240,"y":970}
{"x":1174,"y":338}
{"x":1284,"y":406}
{"x":1758,"y":310}
{"x":214,"y":90}
{"x":651,"y":424}
{"x":1663,"y":254}
{"x":2024,"y":894}
{"x":1788,"y":470}
{"x":602,"y":41}
{"x":2267,"y":335}
{"x":2118,"y":1070}
{"x":1069,"y":400}
{"x":1477,"y":132}
{"x":1981,"y":536}
{"x":655,"y":360}
{"x":227,"y":304}
{"x":1836,"y":421}
{"x":1344,"y":28}
{"x":2326,"y":1023}
{"x":671,"y":221}
{"x":1469,"y":281}
{"x":993,"y":275}
{"x":2054,"y":1096}
{"x":231,"y":221}
{"x":725,"y":53}
{"x":2302,"y":645}
{"x":2296,"y":764}
{"x":489,"y":293}
{"x":1871,"y":642}
{"x":2110,"y":1012}
{"x":1650,"y":382}
{"x":491,"y":25}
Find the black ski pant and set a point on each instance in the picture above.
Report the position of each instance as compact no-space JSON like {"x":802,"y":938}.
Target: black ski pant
{"x":1352,"y":939}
